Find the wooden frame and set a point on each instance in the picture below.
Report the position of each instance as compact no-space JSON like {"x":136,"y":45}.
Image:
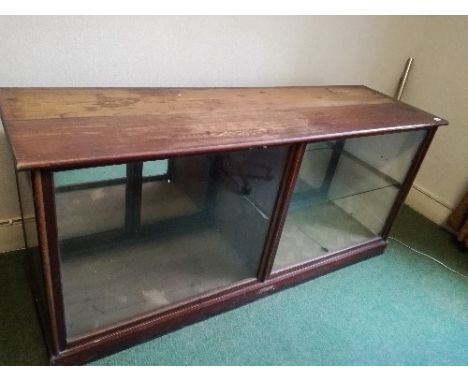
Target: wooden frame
{"x":132,"y":331}
{"x":135,"y":330}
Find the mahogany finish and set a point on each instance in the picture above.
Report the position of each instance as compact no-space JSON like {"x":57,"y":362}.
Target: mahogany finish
{"x":67,"y":128}
{"x":47,"y":234}
{"x":67,"y":125}
{"x":286,"y":189}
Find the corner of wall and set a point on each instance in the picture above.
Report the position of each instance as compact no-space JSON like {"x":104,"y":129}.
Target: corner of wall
{"x":12,"y":237}
{"x":428,"y":205}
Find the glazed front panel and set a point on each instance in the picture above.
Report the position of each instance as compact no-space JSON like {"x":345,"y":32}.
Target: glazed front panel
{"x":134,"y":243}
{"x":344,"y":194}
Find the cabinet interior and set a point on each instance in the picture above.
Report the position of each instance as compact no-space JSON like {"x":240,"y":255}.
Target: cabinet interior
{"x":202,"y":226}
{"x":202,"y":221}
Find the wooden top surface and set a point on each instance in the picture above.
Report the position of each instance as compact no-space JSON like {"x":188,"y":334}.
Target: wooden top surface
{"x":70,"y":127}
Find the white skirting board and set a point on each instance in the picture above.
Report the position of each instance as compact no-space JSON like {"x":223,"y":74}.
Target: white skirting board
{"x":11,"y":237}
{"x":428,"y":205}
{"x":11,"y":234}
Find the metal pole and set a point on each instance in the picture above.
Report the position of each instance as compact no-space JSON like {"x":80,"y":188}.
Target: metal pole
{"x":404,"y":77}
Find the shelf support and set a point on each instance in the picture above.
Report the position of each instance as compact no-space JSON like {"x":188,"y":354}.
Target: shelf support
{"x":133,"y":197}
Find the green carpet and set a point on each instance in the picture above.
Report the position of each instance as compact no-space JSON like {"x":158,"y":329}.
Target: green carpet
{"x":21,"y":340}
{"x":400,"y":308}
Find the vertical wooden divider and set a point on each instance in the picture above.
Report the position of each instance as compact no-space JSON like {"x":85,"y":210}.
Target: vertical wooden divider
{"x":290,"y":173}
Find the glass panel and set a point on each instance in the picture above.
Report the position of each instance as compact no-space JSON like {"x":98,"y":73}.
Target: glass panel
{"x":187,"y":226}
{"x":106,"y":173}
{"x":89,"y":175}
{"x":155,"y":168}
{"x":343,"y":195}
{"x":85,"y":208}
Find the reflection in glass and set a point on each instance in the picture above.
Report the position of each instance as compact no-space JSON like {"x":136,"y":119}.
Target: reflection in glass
{"x":343,"y":194}
{"x":162,"y":233}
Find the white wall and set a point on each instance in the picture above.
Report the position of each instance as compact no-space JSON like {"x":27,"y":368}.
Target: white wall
{"x":439,"y":83}
{"x":223,"y":51}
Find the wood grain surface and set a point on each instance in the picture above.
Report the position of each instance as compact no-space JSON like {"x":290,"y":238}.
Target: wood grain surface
{"x":73,"y":127}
